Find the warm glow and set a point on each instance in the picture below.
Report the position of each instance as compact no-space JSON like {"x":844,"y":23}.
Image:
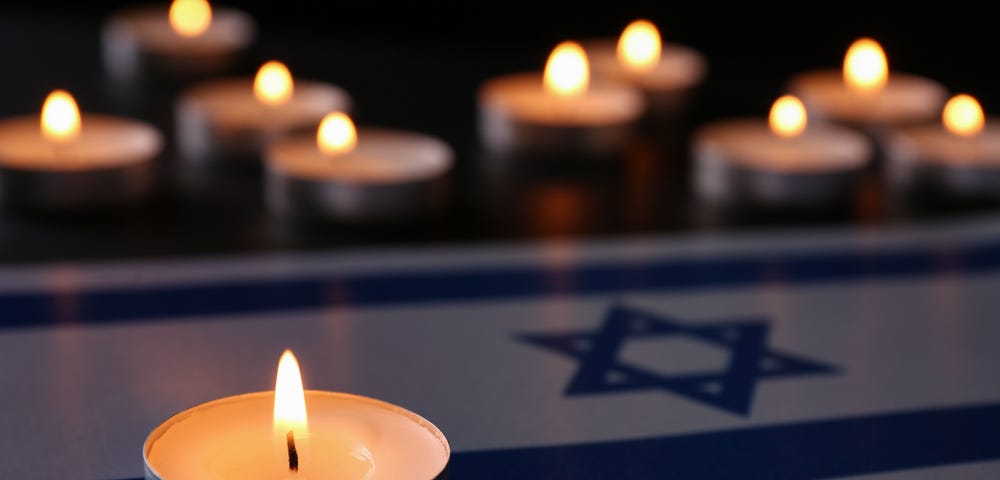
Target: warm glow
{"x":963,"y":116}
{"x":336,"y":134}
{"x":639,"y":46}
{"x":788,"y":117}
{"x":60,"y":117}
{"x":190,"y":18}
{"x":273,"y":84}
{"x":289,"y":397}
{"x":866,"y":69}
{"x":567,"y":72}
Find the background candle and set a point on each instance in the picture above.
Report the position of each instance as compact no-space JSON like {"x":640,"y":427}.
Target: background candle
{"x":666,"y":72}
{"x":779,"y":163}
{"x":865,"y":93}
{"x":333,"y":436}
{"x":190,"y":39}
{"x":371,"y":174}
{"x":960,"y":157}
{"x":560,"y":112}
{"x":233,"y":119}
{"x":62,"y":161}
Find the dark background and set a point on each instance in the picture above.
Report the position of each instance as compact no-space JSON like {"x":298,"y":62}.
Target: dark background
{"x":417,"y":65}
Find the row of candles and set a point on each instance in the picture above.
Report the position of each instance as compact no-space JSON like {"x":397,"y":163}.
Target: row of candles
{"x":67,"y":160}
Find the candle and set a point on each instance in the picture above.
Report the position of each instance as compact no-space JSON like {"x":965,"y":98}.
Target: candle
{"x":233,"y":119}
{"x":778,"y":163}
{"x":345,"y":174}
{"x":64,"y":161}
{"x":294,"y":433}
{"x":187,"y":40}
{"x":865,"y":94}
{"x":665,"y":72}
{"x":958,"y":157}
{"x":559,"y":112}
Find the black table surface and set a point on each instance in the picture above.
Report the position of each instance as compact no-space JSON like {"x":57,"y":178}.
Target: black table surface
{"x":426,"y":84}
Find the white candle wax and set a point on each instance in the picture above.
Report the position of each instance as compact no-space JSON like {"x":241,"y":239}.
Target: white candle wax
{"x":388,"y":173}
{"x":349,"y":437}
{"x":108,"y":165}
{"x":744,"y":158}
{"x":929,"y":155}
{"x":143,"y":34}
{"x":678,"y":71}
{"x":518,"y":113}
{"x":221,"y":118}
{"x":905,"y":99}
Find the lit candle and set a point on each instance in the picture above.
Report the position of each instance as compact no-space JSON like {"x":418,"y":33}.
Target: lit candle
{"x":666,"y":72}
{"x":779,"y":162}
{"x":64,"y":161}
{"x":190,"y":38}
{"x":345,"y":174}
{"x":865,"y":94}
{"x":559,"y":112}
{"x":959,"y":157}
{"x":235,"y":118}
{"x":294,"y":433}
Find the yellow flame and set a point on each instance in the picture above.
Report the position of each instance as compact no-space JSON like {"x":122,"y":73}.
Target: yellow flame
{"x":60,"y":117}
{"x":336,"y":134}
{"x":289,"y":397}
{"x":273,"y":84}
{"x":190,"y":18}
{"x":866,"y":69}
{"x":963,"y":116}
{"x":567,"y":72}
{"x":788,"y":117}
{"x":639,"y":46}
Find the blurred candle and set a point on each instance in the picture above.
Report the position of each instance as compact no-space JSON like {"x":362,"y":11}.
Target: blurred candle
{"x":234,"y":119}
{"x":784,"y":162}
{"x":62,"y":160}
{"x":666,"y":72}
{"x":562,"y":111}
{"x":188,"y":39}
{"x":959,"y":157}
{"x":341,"y":173}
{"x":866,"y":94}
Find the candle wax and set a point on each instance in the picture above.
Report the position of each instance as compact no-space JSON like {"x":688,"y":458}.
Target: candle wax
{"x":820,"y":148}
{"x":104,"y":142}
{"x":524,"y":98}
{"x":932,"y":143}
{"x":150,"y":29}
{"x":679,"y":68}
{"x":349,"y":438}
{"x":231,"y":104}
{"x":905,"y":99}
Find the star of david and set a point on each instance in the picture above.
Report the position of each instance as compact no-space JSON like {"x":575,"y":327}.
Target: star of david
{"x":732,"y":389}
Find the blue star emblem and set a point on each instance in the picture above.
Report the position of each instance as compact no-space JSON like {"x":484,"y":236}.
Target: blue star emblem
{"x":732,"y":389}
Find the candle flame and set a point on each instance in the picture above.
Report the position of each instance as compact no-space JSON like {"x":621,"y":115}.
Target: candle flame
{"x":60,"y":117}
{"x":567,"y":72}
{"x":963,"y":116}
{"x":190,"y":18}
{"x":336,"y":134}
{"x":273,"y":84}
{"x":788,"y":117}
{"x":289,"y":397}
{"x":639,"y":46}
{"x":866,"y":69}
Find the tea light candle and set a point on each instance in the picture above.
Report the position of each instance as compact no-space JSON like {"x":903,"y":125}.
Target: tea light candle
{"x":665,"y":72}
{"x":62,"y":161}
{"x":296,"y":433}
{"x":779,"y":163}
{"x":233,"y":119}
{"x":559,"y":112}
{"x":958,"y":157}
{"x":865,"y":94}
{"x":344,"y":174}
{"x":189,"y":39}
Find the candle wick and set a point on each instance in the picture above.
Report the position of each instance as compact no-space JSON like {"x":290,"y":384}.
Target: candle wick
{"x":293,"y":454}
